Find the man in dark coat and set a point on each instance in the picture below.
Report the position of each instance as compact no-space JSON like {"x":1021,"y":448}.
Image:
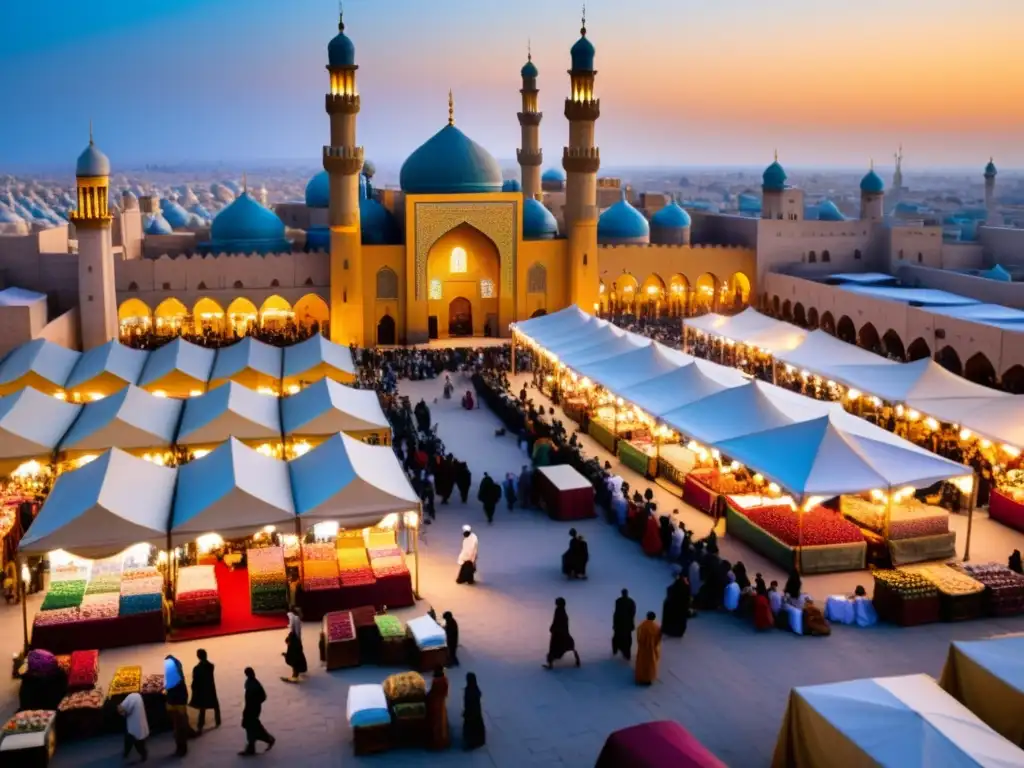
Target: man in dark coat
{"x":204,"y":691}
{"x":489,"y":495}
{"x":623,"y":624}
{"x":444,"y":478}
{"x":463,"y":479}
{"x":451,"y":634}
{"x":254,"y":730}
{"x":427,"y":494}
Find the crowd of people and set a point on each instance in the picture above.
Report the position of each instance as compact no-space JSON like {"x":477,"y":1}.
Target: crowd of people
{"x":288,"y":333}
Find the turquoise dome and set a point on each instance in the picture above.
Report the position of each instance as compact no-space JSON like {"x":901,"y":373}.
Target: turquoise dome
{"x":990,"y":169}
{"x":553,"y":176}
{"x":622,"y":222}
{"x":511,"y":185}
{"x":176,"y":216}
{"x":341,"y":52}
{"x":318,"y":191}
{"x":774,"y":178}
{"x":450,"y":163}
{"x":827,"y":211}
{"x":529,"y":69}
{"x":92,"y":162}
{"x":377,"y":224}
{"x":158,"y":225}
{"x":672,"y":216}
{"x":582,"y":54}
{"x":245,"y":226}
{"x":872,"y":183}
{"x":538,"y":222}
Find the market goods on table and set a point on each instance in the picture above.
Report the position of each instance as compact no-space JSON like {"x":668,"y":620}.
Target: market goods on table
{"x":64,"y":594}
{"x":350,"y":557}
{"x":907,"y":520}
{"x":268,"y":584}
{"x":42,"y":663}
{"x":106,"y":605}
{"x":320,"y":567}
{"x":390,"y":627}
{"x":405,"y":687}
{"x":379,"y":539}
{"x":57,"y":616}
{"x":905,"y":583}
{"x":341,"y":648}
{"x":947,"y":580}
{"x":105,"y":576}
{"x":320,"y":551}
{"x":126,"y":680}
{"x":84,"y":671}
{"x":152,"y":684}
{"x":1004,"y":588}
{"x":354,"y":577}
{"x":134,"y":604}
{"x":815,"y":527}
{"x":64,"y":662}
{"x":904,"y":598}
{"x":30,"y":721}
{"x":91,"y":699}
{"x":340,"y":626}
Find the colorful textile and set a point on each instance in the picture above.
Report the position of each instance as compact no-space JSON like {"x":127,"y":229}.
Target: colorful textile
{"x":57,"y":616}
{"x":126,"y":680}
{"x":390,"y":627}
{"x":42,"y":663}
{"x":152,"y":684}
{"x":340,"y":627}
{"x":85,"y":669}
{"x":64,"y":594}
{"x":405,"y":687}
{"x":30,"y":721}
{"x":91,"y":699}
{"x":105,"y":605}
{"x":132,"y":605}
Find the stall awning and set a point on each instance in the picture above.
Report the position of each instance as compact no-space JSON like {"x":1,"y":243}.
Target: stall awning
{"x":104,"y":507}
{"x":39,"y":363}
{"x":636,"y":366}
{"x":130,"y":419}
{"x":32,"y":424}
{"x":349,"y":482}
{"x":731,"y":413}
{"x":316,"y":357}
{"x":597,"y":333}
{"x":910,"y":382}
{"x":580,"y":359}
{"x":110,"y":366}
{"x":178,"y":363}
{"x":752,"y":328}
{"x":234,"y":490}
{"x":250,"y":356}
{"x":230,"y":410}
{"x":821,"y":352}
{"x":987,"y":676}
{"x":675,"y":389}
{"x":327,"y":407}
{"x":998,"y":416}
{"x":548,"y":326}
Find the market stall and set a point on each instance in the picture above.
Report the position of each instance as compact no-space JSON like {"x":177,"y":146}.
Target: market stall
{"x":655,"y":745}
{"x":891,"y":721}
{"x":28,"y":739}
{"x":131,"y":419}
{"x":327,"y":408}
{"x":1006,"y":503}
{"x":314,"y":359}
{"x":987,"y":677}
{"x":250,"y":362}
{"x":904,"y":598}
{"x":230,"y":411}
{"x":104,"y":370}
{"x":1004,"y":589}
{"x":960,"y":597}
{"x":341,"y":645}
{"x":39,"y":364}
{"x":564,"y":493}
{"x":430,"y":643}
{"x":178,"y":369}
{"x":675,"y":462}
{"x":31,"y":427}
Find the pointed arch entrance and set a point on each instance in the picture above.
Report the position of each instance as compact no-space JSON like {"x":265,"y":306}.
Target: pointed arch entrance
{"x":463,"y":271}
{"x":460,"y":317}
{"x":386,"y":331}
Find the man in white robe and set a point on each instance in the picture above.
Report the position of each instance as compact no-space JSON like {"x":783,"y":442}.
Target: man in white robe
{"x":467,"y":556}
{"x":136,"y":725}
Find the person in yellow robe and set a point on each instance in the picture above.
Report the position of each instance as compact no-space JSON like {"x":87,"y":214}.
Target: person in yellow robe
{"x":648,"y":650}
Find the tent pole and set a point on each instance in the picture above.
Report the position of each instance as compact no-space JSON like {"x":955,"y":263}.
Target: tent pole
{"x":800,"y":538}
{"x":416,"y":540}
{"x":169,"y":584}
{"x":775,"y":368}
{"x":971,"y":498}
{"x":24,"y":603}
{"x":888,"y":513}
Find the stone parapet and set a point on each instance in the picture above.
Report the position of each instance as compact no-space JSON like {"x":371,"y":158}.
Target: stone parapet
{"x":347,"y":161}
{"x":530,"y":118}
{"x":342,"y":104}
{"x":581,"y":159}
{"x":587,"y":110}
{"x":527,"y":158}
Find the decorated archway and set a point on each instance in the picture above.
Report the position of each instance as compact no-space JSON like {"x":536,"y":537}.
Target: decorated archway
{"x":948,"y":358}
{"x":735,"y":294}
{"x":678,"y":294}
{"x":652,"y":295}
{"x":705,"y":294}
{"x":311,"y":312}
{"x":464,"y":264}
{"x":787,"y":311}
{"x":386,"y":331}
{"x":275,"y":313}
{"x":242,"y":317}
{"x":170,"y":317}
{"x":208,"y":317}
{"x":626,"y":290}
{"x":460,"y":317}
{"x":918,"y":350}
{"x":134,"y":317}
{"x":867,"y":338}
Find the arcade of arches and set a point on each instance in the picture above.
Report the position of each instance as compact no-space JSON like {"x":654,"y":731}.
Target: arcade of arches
{"x":464,"y":283}
{"x":676,"y":297}
{"x":171,"y":317}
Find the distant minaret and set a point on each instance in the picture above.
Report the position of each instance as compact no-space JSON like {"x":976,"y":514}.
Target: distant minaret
{"x":263,"y":195}
{"x":897,"y":175}
{"x":991,"y":217}
{"x":530,"y":156}
{"x":872,"y":196}
{"x":97,"y":300}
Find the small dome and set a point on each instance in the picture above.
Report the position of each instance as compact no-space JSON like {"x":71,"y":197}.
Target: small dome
{"x":7,"y":216}
{"x":827,"y":211}
{"x":538,"y":222}
{"x":672,"y":216}
{"x":244,"y":220}
{"x":582,"y":54}
{"x":341,"y":52}
{"x":158,"y":225}
{"x":872,"y":183}
{"x":511,"y":185}
{"x":450,"y":163}
{"x":774,"y":178}
{"x":92,"y":162}
{"x":990,"y":169}
{"x":622,"y":222}
{"x":553,"y":176}
{"x":529,"y":69}
{"x":377,"y":225}
{"x":176,"y":216}
{"x":318,"y":191}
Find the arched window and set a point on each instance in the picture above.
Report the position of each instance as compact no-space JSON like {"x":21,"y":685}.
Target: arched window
{"x":812,"y":258}
{"x":275,"y":283}
{"x":826,"y":256}
{"x":459,"y":262}
{"x":238,"y":284}
{"x":309,"y":281}
{"x":537,"y":279}
{"x":387,"y":283}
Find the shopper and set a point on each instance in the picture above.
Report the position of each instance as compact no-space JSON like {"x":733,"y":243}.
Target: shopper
{"x":489,"y":495}
{"x":136,"y":726}
{"x":439,"y":736}
{"x":294,"y":656}
{"x":204,"y":691}
{"x":474,"y":733}
{"x":255,"y":696}
{"x":623,"y":623}
{"x":648,"y":650}
{"x":561,"y":641}
{"x":463,"y":479}
{"x":467,"y":556}
{"x":177,"y":704}
{"x":451,"y":634}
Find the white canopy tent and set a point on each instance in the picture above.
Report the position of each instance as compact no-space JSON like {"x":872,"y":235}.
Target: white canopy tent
{"x":38,"y":363}
{"x":178,"y":361}
{"x":999,"y":417}
{"x":821,"y":352}
{"x":579,"y":359}
{"x":680,"y":387}
{"x":32,"y":424}
{"x":230,"y":410}
{"x":130,"y":419}
{"x":350,"y":482}
{"x":104,"y":507}
{"x":568,"y":320}
{"x":727,"y":414}
{"x":596,"y":334}
{"x":249,"y":354}
{"x":636,"y":366}
{"x":111,"y":360}
{"x":233,"y":491}
{"x":752,"y":328}
{"x":896,"y":722}
{"x":303,"y":360}
{"x":911,"y":382}
{"x":327,"y":407}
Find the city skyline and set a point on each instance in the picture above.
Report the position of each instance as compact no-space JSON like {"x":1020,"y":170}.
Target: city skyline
{"x":827,"y":88}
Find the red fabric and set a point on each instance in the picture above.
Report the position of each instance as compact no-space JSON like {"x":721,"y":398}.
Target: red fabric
{"x":652,"y":538}
{"x":1007,"y":511}
{"x":392,"y":591}
{"x":698,"y":495}
{"x":100,"y":633}
{"x":571,"y":504}
{"x":763,"y":616}
{"x":661,"y":744}
{"x":236,"y":616}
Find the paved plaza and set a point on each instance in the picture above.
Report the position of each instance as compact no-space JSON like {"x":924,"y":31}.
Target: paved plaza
{"x":724,"y":682}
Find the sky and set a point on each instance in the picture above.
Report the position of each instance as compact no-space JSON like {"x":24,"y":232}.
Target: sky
{"x":681,"y":82}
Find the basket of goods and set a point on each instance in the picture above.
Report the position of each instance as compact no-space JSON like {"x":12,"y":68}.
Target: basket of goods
{"x":28,"y":738}
{"x":64,"y":594}
{"x":905,"y":598}
{"x":1004,"y":589}
{"x":370,"y":719}
{"x":268,"y":584}
{"x":405,"y":688}
{"x":80,"y":715}
{"x":104,"y":605}
{"x":126,"y":680}
{"x":85,"y":670}
{"x":960,"y":596}
{"x":341,"y":647}
{"x":393,"y":648}
{"x":132,"y":605}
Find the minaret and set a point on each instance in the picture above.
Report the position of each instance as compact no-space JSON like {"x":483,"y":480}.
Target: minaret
{"x":897,"y":175}
{"x":97,"y":299}
{"x":872,"y":196}
{"x":991,"y":217}
{"x":343,"y":160}
{"x":530,"y":156}
{"x":773,"y":187}
{"x":581,"y":160}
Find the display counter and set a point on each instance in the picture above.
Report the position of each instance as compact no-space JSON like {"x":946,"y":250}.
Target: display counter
{"x":961,"y":597}
{"x":905,"y":599}
{"x":1004,"y":589}
{"x":698,"y":493}
{"x":675,"y":462}
{"x":341,"y":645}
{"x":603,"y":433}
{"x":922,"y":549}
{"x":640,"y":458}
{"x":575,"y":410}
{"x":28,"y":740}
{"x":100,"y":634}
{"x":986,"y":677}
{"x":564,"y":493}
{"x":1004,"y":508}
{"x":908,"y":520}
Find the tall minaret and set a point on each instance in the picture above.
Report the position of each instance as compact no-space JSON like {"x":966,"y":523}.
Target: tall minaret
{"x":872,"y":196}
{"x":530,"y":156}
{"x":97,"y":299}
{"x":581,"y":160}
{"x":991,"y":217}
{"x":343,"y":161}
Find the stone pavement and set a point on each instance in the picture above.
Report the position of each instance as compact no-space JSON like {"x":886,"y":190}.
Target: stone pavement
{"x":725,"y":683}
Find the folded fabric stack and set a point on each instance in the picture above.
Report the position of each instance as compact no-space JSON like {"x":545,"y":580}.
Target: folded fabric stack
{"x":427,"y":633}
{"x":367,"y":706}
{"x":339,"y":626}
{"x":105,"y":577}
{"x":91,"y":699}
{"x":268,"y":584}
{"x":354,"y":566}
{"x":320,"y":567}
{"x":105,"y":605}
{"x":126,"y":680}
{"x":85,"y":670}
{"x":151,"y":684}
{"x":390,"y":627}
{"x":388,"y":562}
{"x":142,"y":581}
{"x":350,"y":539}
{"x":64,"y":594}
{"x":132,"y":605}
{"x":197,"y":599}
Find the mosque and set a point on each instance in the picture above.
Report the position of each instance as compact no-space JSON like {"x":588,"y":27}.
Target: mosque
{"x":458,"y":250}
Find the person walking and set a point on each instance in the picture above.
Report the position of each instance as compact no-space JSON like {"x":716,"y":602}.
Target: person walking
{"x":463,"y":479}
{"x":294,"y":656}
{"x":467,"y":556}
{"x":451,"y":635}
{"x":136,"y":726}
{"x":474,"y":733}
{"x":177,"y":704}
{"x":489,"y":495}
{"x":675,"y":610}
{"x":648,"y":650}
{"x":445,"y":478}
{"x":623,"y":623}
{"x":439,"y":736}
{"x":561,"y":641}
{"x":255,"y":697}
{"x":204,"y":691}
{"x":509,"y":489}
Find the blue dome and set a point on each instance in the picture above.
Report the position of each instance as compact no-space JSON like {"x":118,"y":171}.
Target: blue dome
{"x":318,"y":191}
{"x":582,"y":54}
{"x":341,"y":52}
{"x":672,"y":216}
{"x":377,"y":224}
{"x":553,"y":176}
{"x":990,"y":169}
{"x":245,"y":226}
{"x":529,"y":69}
{"x":774,"y":178}
{"x":622,"y":222}
{"x":158,"y":225}
{"x":827,"y":211}
{"x":7,"y":216}
{"x":872,"y":183}
{"x":92,"y":162}
{"x":538,"y":222}
{"x":176,"y":216}
{"x":511,"y":185}
{"x":450,"y":163}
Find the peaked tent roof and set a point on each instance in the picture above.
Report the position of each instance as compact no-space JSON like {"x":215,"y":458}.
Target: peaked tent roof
{"x":32,"y":424}
{"x":909,"y":382}
{"x":178,"y":356}
{"x":731,"y":413}
{"x":104,"y":507}
{"x":580,"y":359}
{"x":752,"y":328}
{"x":112,"y":358}
{"x":248,"y":354}
{"x":230,"y":410}
{"x":129,"y":419}
{"x":327,"y":407}
{"x":233,"y":490}
{"x":314,"y":351}
{"x":636,"y":366}
{"x":675,"y":389}
{"x":593,"y":334}
{"x":562,"y":321}
{"x":348,"y":481}
{"x":50,"y":362}
{"x":821,"y":352}
{"x":997,"y":416}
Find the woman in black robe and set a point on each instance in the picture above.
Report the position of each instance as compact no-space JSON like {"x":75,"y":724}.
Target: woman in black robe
{"x":568,"y":557}
{"x":740,"y":572}
{"x":474,"y":733}
{"x":561,"y":641}
{"x":675,"y":611}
